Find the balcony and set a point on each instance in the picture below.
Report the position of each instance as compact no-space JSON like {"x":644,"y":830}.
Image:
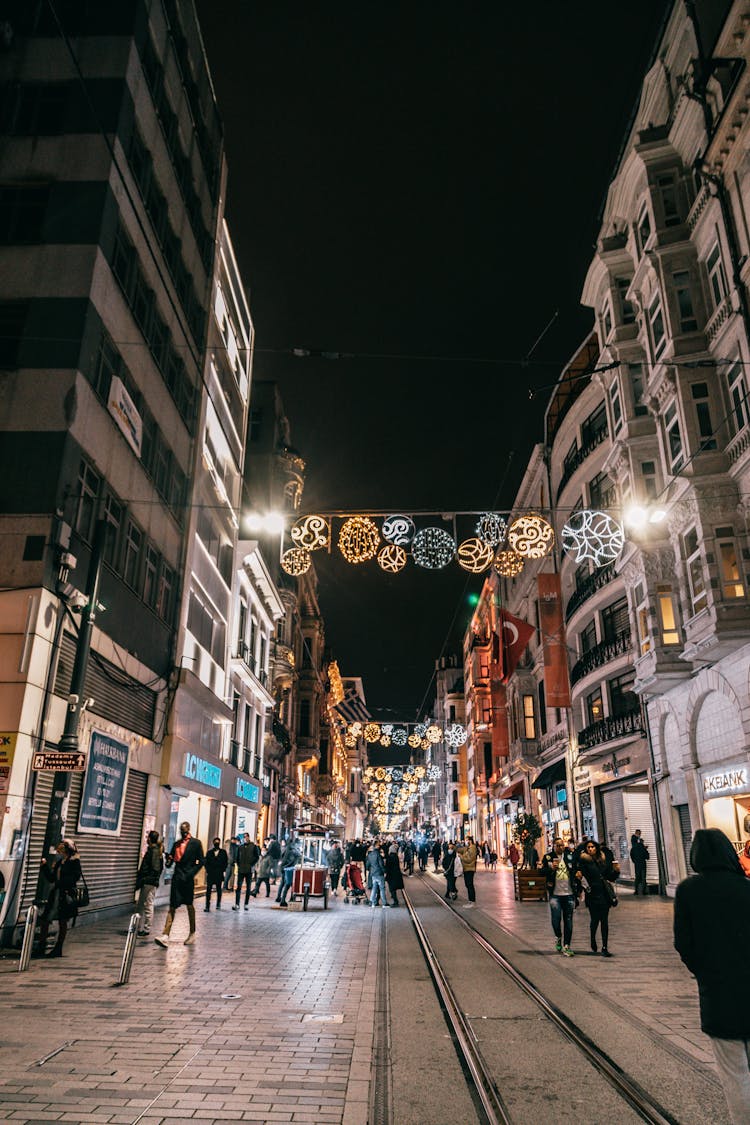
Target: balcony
{"x":580,"y":456}
{"x":589,"y":586}
{"x":244,"y":654}
{"x":601,"y":654}
{"x":612,"y":728}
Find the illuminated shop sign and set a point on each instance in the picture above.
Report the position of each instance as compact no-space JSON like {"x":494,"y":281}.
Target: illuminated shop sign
{"x":196,"y":769}
{"x":730,"y":779}
{"x":246,"y":790}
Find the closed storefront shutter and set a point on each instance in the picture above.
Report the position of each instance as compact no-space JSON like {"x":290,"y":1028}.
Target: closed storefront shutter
{"x":638,"y":815}
{"x":615,"y":829}
{"x":42,"y":796}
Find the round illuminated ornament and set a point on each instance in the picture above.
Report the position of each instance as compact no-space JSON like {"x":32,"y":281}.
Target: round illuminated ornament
{"x":296,"y":561}
{"x":350,"y":741}
{"x":398,"y":530}
{"x":455,"y":735}
{"x":491,"y":528}
{"x":420,"y":729}
{"x":359,"y":539}
{"x":312,"y":533}
{"x":371,"y":732}
{"x":414,"y":740}
{"x":508,"y":564}
{"x":433,"y":733}
{"x":475,"y":555}
{"x":389,"y":776}
{"x":413,"y":787}
{"x":531,"y":536}
{"x":399,"y":737}
{"x":385,"y":740}
{"x":391,"y":558}
{"x":593,"y":535}
{"x":398,"y":773}
{"x":433,"y":772}
{"x":355,"y":729}
{"x":433,"y":548}
{"x":419,"y":772}
{"x":387,"y":728}
{"x":380,"y":773}
{"x":425,"y":744}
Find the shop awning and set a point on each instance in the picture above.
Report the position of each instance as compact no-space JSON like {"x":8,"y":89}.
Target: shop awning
{"x":511,"y":791}
{"x":550,"y":775}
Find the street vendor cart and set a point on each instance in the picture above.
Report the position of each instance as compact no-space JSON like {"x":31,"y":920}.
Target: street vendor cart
{"x":310,"y":878}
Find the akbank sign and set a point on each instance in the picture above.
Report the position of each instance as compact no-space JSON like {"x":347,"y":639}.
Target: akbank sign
{"x":725,"y":781}
{"x":197,"y":769}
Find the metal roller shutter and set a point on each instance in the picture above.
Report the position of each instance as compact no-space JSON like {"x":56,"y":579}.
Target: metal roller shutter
{"x":638,"y":815}
{"x":42,"y":797}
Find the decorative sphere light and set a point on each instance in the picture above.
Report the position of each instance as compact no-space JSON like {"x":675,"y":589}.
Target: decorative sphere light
{"x":296,"y":561}
{"x":399,"y":737}
{"x":398,"y":530}
{"x":593,"y":535}
{"x":455,"y":735}
{"x":380,"y":773}
{"x":414,"y":740}
{"x":350,"y":740}
{"x":398,"y":773}
{"x":359,"y":539}
{"x":508,"y":564}
{"x":392,"y":558}
{"x":531,"y":536}
{"x":433,"y":548}
{"x":385,"y":740}
{"x":420,"y":729}
{"x":491,"y":528}
{"x":425,"y":744}
{"x":433,"y":733}
{"x":387,"y":728}
{"x":311,"y":532}
{"x":475,"y":555}
{"x":434,"y":772}
{"x":355,"y":729}
{"x":420,"y":771}
{"x":372,"y":732}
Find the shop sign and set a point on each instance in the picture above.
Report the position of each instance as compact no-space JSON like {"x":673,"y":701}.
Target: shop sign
{"x":247,"y":791}
{"x":561,"y":795}
{"x":104,"y":786}
{"x":615,"y":765}
{"x":731,"y":779}
{"x":197,"y":769}
{"x":7,"y":750}
{"x":122,"y":408}
{"x":582,"y":779}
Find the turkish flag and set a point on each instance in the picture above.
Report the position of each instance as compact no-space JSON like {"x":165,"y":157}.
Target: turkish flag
{"x":513,"y":634}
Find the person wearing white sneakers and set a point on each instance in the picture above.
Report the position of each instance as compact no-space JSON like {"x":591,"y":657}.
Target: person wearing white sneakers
{"x":187,"y":857}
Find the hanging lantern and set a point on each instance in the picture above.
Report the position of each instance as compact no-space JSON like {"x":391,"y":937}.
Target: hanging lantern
{"x":398,"y":530}
{"x":593,"y":535}
{"x":531,"y":536}
{"x":380,"y":773}
{"x":491,"y":528}
{"x":433,"y":548}
{"x":398,"y":773}
{"x":311,"y":532}
{"x":414,"y":740}
{"x":358,"y":539}
{"x":508,"y":564}
{"x":391,"y":558}
{"x":296,"y":561}
{"x":475,"y":555}
{"x":434,"y":772}
{"x":371,"y":732}
{"x":399,"y":737}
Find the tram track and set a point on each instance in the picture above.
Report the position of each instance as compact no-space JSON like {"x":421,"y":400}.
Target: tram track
{"x":492,"y":1107}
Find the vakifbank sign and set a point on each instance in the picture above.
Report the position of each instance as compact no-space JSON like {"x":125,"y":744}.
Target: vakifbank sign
{"x":197,"y":769}
{"x":726,"y":781}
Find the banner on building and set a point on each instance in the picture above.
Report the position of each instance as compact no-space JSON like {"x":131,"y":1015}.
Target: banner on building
{"x":500,"y":736}
{"x":513,"y":635}
{"x":7,"y":750}
{"x":104,"y":787}
{"x":554,"y":647}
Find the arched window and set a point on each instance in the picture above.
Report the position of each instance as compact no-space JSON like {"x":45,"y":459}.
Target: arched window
{"x":718,"y":730}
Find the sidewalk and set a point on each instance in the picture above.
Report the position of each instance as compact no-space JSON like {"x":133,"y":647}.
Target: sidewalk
{"x":267,"y":1018}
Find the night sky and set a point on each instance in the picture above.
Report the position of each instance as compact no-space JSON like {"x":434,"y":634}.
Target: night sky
{"x":417,"y":185}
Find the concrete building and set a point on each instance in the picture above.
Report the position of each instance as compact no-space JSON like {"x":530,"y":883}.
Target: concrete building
{"x":447,"y":799}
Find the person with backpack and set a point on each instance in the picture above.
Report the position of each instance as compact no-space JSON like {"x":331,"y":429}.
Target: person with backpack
{"x":147,"y":880}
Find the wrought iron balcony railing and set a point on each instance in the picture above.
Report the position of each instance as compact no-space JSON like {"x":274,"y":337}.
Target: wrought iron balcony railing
{"x":601,"y":654}
{"x":611,"y":728}
{"x":589,"y":586}
{"x":580,"y":456}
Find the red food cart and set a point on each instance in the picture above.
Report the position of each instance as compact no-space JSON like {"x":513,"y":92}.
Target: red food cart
{"x":310,"y":879}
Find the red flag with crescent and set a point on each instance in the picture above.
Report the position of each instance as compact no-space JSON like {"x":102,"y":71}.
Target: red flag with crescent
{"x":514,"y":635}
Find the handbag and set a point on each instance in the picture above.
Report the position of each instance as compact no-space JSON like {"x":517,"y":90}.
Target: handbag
{"x":458,"y":867}
{"x":610,"y":892}
{"x":82,"y":896}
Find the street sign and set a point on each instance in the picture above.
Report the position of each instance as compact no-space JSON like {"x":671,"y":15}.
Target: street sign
{"x":59,"y":762}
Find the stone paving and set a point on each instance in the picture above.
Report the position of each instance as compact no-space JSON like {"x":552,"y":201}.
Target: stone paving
{"x":268,"y":1018}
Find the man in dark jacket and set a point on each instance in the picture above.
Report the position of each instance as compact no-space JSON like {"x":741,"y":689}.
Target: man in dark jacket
{"x":147,"y":880}
{"x":217,"y":861}
{"x":335,"y":861}
{"x":290,"y":857}
{"x":437,"y":855}
{"x":375,"y":866}
{"x":232,"y":851}
{"x":558,"y":868}
{"x":187,"y":857}
{"x":274,"y":850}
{"x":712,"y":936}
{"x":247,"y":857}
{"x":639,"y":855}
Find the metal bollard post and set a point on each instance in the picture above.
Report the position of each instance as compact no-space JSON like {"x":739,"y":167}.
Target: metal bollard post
{"x":28,"y":938}
{"x":129,"y":951}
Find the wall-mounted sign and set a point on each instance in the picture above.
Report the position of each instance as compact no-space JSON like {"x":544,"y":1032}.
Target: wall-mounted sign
{"x":725,"y":781}
{"x":122,"y":408}
{"x":197,"y":769}
{"x":104,"y":785}
{"x":247,"y":791}
{"x":7,"y":751}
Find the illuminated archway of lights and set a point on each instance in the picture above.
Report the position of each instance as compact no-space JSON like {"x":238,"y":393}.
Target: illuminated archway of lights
{"x":407,"y":734}
{"x":392,"y":791}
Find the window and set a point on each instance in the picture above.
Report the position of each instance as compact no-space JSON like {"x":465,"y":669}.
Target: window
{"x":648,"y":474}
{"x":200,"y":621}
{"x":256,"y":422}
{"x":668,"y":195}
{"x":132,"y":554}
{"x":113,"y":515}
{"x":699,"y":392}
{"x":165,"y":603}
{"x":667,"y":616}
{"x":717,"y":279}
{"x":150,"y":573}
{"x":732,"y":585}
{"x":615,"y":406}
{"x":644,"y":227}
{"x":636,"y":383}
{"x":594,"y":707}
{"x":40,"y":109}
{"x":737,"y":397}
{"x":581,"y":574}
{"x":588,"y":637}
{"x":529,"y":722}
{"x":626,"y":306}
{"x":606,"y":321}
{"x":675,"y":449}
{"x":304,"y":718}
{"x":623,"y":699}
{"x":695,"y":571}
{"x":601,"y":491}
{"x":454,"y":772}
{"x":656,"y":321}
{"x":684,"y":297}
{"x":595,"y":426}
{"x":570,"y":459}
{"x":22,"y":211}
{"x":454,"y":800}
{"x":88,"y":491}
{"x":241,"y":623}
{"x":644,"y":633}
{"x":12,"y":323}
{"x":542,"y":708}
{"x":615,"y":619}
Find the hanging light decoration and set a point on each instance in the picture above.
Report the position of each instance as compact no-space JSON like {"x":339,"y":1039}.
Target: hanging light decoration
{"x":593,"y":535}
{"x":433,"y":733}
{"x":434,"y":772}
{"x":455,"y":735}
{"x":311,"y":532}
{"x":398,"y":530}
{"x":420,"y":729}
{"x":355,"y":729}
{"x":387,"y":728}
{"x":399,"y":736}
{"x":358,"y":539}
{"x":398,"y":773}
{"x":508,"y":564}
{"x":425,"y":744}
{"x":296,"y":561}
{"x":531,"y":536}
{"x":491,"y":528}
{"x":475,"y":555}
{"x":385,"y":740}
{"x":372,"y":732}
{"x":350,"y":740}
{"x":414,"y":740}
{"x":433,"y":548}
{"x":391,"y":558}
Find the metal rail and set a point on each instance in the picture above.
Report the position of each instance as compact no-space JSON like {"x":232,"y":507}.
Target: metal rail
{"x":129,"y":950}
{"x":636,"y":1097}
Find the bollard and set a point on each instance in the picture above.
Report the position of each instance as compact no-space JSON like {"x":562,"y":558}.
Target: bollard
{"x":28,"y":938}
{"x":129,"y":951}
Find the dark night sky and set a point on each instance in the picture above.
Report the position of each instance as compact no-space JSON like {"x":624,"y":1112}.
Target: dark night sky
{"x":420,"y":179}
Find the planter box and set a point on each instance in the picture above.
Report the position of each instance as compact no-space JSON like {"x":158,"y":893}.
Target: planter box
{"x":530,"y":885}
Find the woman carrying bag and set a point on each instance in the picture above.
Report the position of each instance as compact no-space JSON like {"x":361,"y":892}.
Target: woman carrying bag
{"x":596,"y":872}
{"x":452,"y":868}
{"x":62,"y":903}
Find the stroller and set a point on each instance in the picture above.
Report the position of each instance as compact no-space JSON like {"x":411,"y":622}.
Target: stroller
{"x":352,"y":884}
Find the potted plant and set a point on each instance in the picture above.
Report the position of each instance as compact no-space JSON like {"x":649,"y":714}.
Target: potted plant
{"x":526,"y":831}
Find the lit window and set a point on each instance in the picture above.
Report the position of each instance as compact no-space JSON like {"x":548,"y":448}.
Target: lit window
{"x":656,"y":320}
{"x":675,"y":447}
{"x":696,"y":573}
{"x":699,"y":392}
{"x":594,"y":708}
{"x":683,"y":293}
{"x":667,"y":616}
{"x":732,"y":585}
{"x":738,"y":397}
{"x":529,"y":722}
{"x":717,"y":279}
{"x":644,"y":637}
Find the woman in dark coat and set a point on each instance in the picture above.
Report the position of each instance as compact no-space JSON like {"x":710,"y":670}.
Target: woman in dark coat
{"x":393,"y":876}
{"x":449,"y":863}
{"x":61,"y":905}
{"x":595,"y":865}
{"x":712,"y":936}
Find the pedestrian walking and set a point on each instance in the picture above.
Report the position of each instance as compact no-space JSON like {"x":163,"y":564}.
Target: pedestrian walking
{"x":186,"y":856}
{"x":639,"y":855}
{"x":376,"y":874}
{"x":493,"y":861}
{"x":233,"y":849}
{"x":596,"y":873}
{"x":513,"y":855}
{"x":449,"y":870}
{"x":409,"y":857}
{"x":263,"y":873}
{"x":247,"y":857}
{"x":290,"y":857}
{"x":335,"y":861}
{"x":393,"y":876}
{"x":147,"y":880}
{"x":468,"y":855}
{"x":216,"y":864}
{"x":559,"y":871}
{"x":437,"y":854}
{"x":423,"y":854}
{"x":274,"y":850}
{"x":712,"y":936}
{"x":62,"y":902}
